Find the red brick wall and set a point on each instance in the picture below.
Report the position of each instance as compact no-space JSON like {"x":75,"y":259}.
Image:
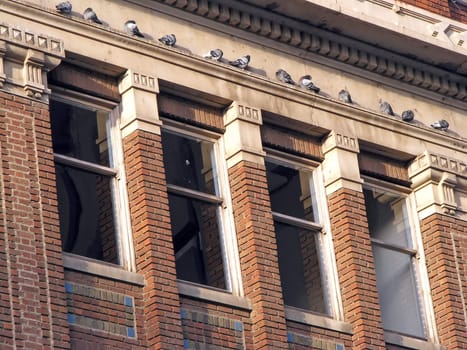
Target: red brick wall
{"x":217,"y":325}
{"x":150,"y":220}
{"x":258,"y":254}
{"x":32,"y":297}
{"x":356,"y":271}
{"x":445,"y":243}
{"x":104,"y":313}
{"x":446,"y":8}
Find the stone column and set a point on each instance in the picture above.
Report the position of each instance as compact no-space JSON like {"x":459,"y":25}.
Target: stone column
{"x":32,"y":296}
{"x":440,"y":187}
{"x":149,"y":210}
{"x":349,"y":226}
{"x":254,"y":225}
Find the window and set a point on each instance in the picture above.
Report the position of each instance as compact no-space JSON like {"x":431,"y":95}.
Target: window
{"x":298,"y":232}
{"x":395,"y":262}
{"x":86,"y":180}
{"x":196,"y":203}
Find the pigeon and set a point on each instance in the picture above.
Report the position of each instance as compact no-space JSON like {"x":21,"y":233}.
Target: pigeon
{"x":285,"y":77}
{"x":132,"y":28}
{"x":306,"y":82}
{"x":64,"y":7}
{"x":90,"y":15}
{"x":241,"y":62}
{"x":385,"y":107}
{"x":440,"y":125}
{"x":344,"y":96}
{"x":215,"y":54}
{"x":407,"y":116}
{"x":168,"y":39}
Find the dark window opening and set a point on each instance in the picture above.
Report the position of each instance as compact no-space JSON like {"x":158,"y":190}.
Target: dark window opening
{"x":296,"y":234}
{"x":194,"y":209}
{"x":84,"y":181}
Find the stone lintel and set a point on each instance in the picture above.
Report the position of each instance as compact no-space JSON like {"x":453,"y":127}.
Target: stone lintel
{"x":340,"y":166}
{"x":139,"y":103}
{"x":242,"y":138}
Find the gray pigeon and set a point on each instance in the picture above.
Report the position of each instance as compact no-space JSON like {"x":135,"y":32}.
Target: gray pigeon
{"x":64,"y":7}
{"x":440,"y":125}
{"x":132,"y":28}
{"x":306,"y":82}
{"x":90,"y":15}
{"x":215,"y":54}
{"x":407,"y":116}
{"x":344,"y":96}
{"x":168,"y":39}
{"x":385,"y":107}
{"x":241,"y":62}
{"x":285,"y":77}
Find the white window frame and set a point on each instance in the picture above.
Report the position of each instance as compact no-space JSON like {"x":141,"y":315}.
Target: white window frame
{"x":119,"y":192}
{"x":326,"y":254}
{"x":417,"y":252}
{"x":227,"y":234}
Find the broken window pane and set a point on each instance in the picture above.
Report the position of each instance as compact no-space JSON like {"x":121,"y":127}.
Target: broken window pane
{"x":85,"y":199}
{"x":299,"y":268}
{"x":394,"y":262}
{"x":188,"y":163}
{"x":289,"y":190}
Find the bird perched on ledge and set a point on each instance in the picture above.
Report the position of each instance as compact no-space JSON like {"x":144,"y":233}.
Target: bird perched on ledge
{"x":169,"y":39}
{"x":64,"y":7}
{"x":90,"y":15}
{"x":284,"y":77}
{"x":241,"y":62}
{"x":344,"y":96}
{"x":440,"y":125}
{"x":215,"y":54}
{"x":385,"y":107}
{"x":132,"y":28}
{"x":306,"y":82}
{"x":407,"y":116}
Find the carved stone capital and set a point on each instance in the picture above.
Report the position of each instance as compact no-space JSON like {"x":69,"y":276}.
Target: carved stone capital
{"x":242,"y":138}
{"x":340,"y":166}
{"x":25,"y":59}
{"x":440,"y":184}
{"x":139,"y":103}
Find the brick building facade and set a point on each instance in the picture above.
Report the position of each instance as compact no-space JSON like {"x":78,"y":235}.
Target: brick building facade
{"x":156,"y":198}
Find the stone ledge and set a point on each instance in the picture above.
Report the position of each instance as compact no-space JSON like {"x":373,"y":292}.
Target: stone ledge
{"x":311,"y":319}
{"x":410,"y":342}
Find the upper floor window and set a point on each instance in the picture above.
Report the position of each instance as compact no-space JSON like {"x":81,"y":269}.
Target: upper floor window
{"x":298,"y":233}
{"x":395,"y":255}
{"x":88,"y":194}
{"x":196,"y":201}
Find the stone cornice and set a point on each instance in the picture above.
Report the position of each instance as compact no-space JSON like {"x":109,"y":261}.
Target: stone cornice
{"x":309,"y":38}
{"x":440,"y":162}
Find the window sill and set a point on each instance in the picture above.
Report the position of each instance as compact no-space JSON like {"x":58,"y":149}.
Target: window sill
{"x":311,"y":319}
{"x":409,"y":342}
{"x":219,"y":297}
{"x":101,"y":269}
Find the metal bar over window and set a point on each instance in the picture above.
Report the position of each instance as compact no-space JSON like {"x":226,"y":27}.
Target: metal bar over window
{"x":174,"y":189}
{"x":83,"y":165}
{"x":286,"y":219}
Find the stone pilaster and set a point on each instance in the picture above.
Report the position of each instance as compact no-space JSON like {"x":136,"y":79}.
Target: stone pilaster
{"x":149,"y":210}
{"x":440,"y":186}
{"x":351,"y":236}
{"x":254,"y":225}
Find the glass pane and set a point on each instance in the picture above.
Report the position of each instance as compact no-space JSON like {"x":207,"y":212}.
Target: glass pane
{"x":195,"y":231}
{"x":79,"y":133}
{"x":86,"y":214}
{"x":299,"y":268}
{"x":188,"y":163}
{"x":290,"y":191}
{"x":397,"y":292}
{"x":387,"y":217}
